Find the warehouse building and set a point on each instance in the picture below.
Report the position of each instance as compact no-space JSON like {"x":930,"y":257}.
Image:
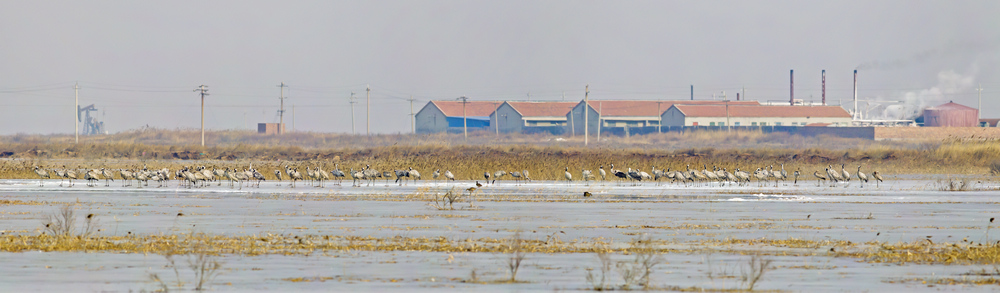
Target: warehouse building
{"x":755,"y":115}
{"x":442,"y":116}
{"x":531,"y":117}
{"x":624,"y":117}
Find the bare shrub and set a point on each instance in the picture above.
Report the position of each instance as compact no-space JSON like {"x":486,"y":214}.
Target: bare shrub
{"x":995,"y":168}
{"x":63,"y":223}
{"x":637,"y":271}
{"x":599,"y":282}
{"x":206,"y":268}
{"x":445,"y":201}
{"x":203,"y":265}
{"x":755,"y":269}
{"x":516,"y":256}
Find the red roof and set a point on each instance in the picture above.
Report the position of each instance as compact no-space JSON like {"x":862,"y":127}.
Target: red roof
{"x":542,"y":109}
{"x":952,"y":106}
{"x":762,"y":111}
{"x":474,"y":108}
{"x":649,"y":108}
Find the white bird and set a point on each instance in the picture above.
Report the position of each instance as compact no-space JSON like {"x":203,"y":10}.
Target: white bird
{"x":862,"y":177}
{"x":586,"y":175}
{"x":568,"y":175}
{"x":516,"y":175}
{"x":878,"y":178}
{"x":449,"y":175}
{"x":414,"y":175}
{"x":42,"y":174}
{"x":498,"y":174}
{"x":71,"y":175}
{"x":108,"y":175}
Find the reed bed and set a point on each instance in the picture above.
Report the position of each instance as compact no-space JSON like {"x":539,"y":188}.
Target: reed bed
{"x":542,"y":156}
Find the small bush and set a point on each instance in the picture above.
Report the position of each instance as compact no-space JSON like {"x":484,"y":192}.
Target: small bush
{"x":63,"y":223}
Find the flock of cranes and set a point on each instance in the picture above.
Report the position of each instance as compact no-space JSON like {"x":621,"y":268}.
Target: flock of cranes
{"x":201,"y":176}
{"x":722,"y":176}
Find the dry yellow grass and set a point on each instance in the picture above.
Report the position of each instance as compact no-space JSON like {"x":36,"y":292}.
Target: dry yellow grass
{"x":544,"y":159}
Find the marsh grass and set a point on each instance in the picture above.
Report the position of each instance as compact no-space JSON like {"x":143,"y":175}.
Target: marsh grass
{"x":956,"y":184}
{"x":995,"y":168}
{"x":468,"y":160}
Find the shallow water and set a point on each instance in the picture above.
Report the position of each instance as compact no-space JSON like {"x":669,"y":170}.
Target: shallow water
{"x":896,"y":211}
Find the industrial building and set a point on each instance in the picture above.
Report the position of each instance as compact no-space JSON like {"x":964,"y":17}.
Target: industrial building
{"x":951,"y":115}
{"x":531,"y":117}
{"x":754,"y":115}
{"x":624,"y":117}
{"x":451,"y":116}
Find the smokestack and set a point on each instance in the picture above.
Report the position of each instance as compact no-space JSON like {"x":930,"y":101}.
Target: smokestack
{"x":791,"y":87}
{"x":692,"y":92}
{"x":824,"y":87}
{"x":855,"y":116}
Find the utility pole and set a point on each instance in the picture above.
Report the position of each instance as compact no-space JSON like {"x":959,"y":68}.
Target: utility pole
{"x":281,"y":112}
{"x":293,"y":117}
{"x":586,"y":115}
{"x":368,"y":113}
{"x":497,"y":122}
{"x":660,"y":116}
{"x":413,"y":117}
{"x":465,"y":117}
{"x":204,"y":92}
{"x":353,"y":130}
{"x":76,"y":113}
{"x":729,"y":126}
{"x":980,"y":114}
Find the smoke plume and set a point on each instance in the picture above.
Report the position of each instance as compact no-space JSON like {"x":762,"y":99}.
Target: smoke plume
{"x":913,"y":103}
{"x":954,"y":49}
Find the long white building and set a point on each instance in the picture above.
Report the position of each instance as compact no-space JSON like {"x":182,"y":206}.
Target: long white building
{"x":752,"y":115}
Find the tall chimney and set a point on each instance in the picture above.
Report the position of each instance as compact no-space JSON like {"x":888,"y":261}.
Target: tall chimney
{"x":692,"y":92}
{"x":855,"y":116}
{"x":824,"y":87}
{"x":791,"y":86}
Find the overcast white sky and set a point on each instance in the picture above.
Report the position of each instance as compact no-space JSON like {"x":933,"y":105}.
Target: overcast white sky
{"x":139,"y":61}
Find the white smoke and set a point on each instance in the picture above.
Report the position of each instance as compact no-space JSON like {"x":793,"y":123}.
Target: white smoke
{"x":912,"y":104}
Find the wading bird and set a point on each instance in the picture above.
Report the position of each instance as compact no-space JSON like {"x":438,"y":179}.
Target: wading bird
{"x":42,"y":174}
{"x":862,"y":177}
{"x":878,"y":178}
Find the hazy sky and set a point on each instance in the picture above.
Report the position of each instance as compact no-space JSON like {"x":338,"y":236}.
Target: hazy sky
{"x":139,"y":61}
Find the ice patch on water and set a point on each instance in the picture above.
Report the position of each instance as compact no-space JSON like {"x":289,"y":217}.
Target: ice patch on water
{"x":774,"y":197}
